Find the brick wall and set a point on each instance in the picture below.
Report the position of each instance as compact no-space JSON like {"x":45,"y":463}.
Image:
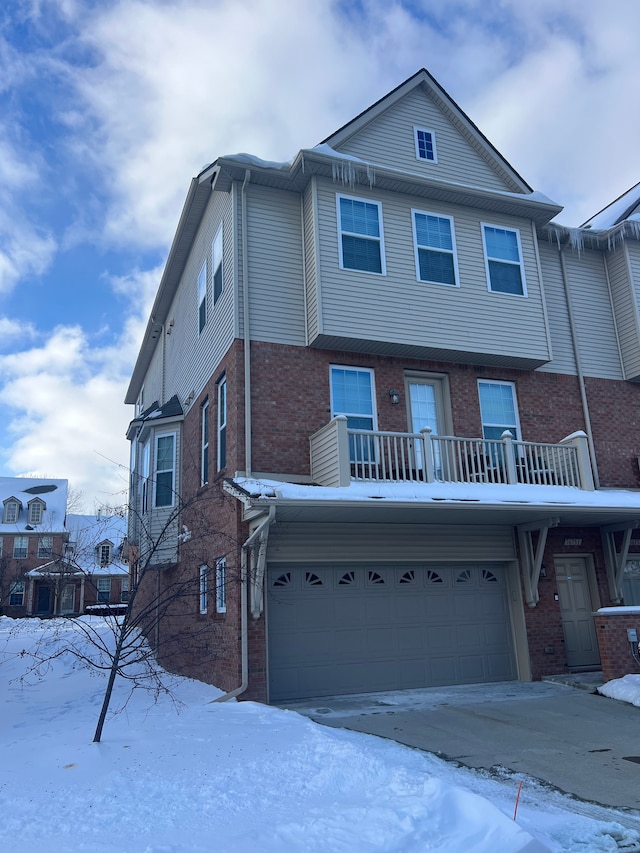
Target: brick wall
{"x":615,"y":649}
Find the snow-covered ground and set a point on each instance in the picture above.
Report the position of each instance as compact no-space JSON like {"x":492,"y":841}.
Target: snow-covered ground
{"x":239,"y":776}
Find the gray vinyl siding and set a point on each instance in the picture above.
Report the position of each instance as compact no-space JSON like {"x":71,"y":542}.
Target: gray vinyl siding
{"x":557,"y":312}
{"x":311,"y":260}
{"x":625,"y":305}
{"x":153,"y":378}
{"x":397,"y":309}
{"x":298,"y":542}
{"x":190,"y":356}
{"x":276,"y":274}
{"x":389,"y":141}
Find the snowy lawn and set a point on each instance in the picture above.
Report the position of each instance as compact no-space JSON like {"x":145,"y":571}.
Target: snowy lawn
{"x":239,"y":776}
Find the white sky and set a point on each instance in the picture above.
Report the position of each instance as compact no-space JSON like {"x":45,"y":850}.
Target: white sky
{"x":108,"y":108}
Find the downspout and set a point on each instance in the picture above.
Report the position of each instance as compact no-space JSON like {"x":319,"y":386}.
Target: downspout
{"x":576,"y":354}
{"x":258,"y":533}
{"x":246,"y":328}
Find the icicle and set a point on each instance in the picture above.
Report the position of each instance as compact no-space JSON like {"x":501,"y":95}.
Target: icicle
{"x":349,"y":174}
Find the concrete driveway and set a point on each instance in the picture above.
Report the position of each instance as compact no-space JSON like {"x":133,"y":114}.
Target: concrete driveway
{"x":578,"y":741}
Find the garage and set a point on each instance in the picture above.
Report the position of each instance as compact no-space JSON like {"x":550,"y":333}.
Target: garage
{"x":354,"y":628}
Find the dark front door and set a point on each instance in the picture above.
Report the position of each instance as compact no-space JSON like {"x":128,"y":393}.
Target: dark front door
{"x":43,"y":605}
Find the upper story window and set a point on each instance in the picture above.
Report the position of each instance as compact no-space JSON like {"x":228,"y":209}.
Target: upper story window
{"x":360,"y":245}
{"x":221,"y":585}
{"x":203,"y":588}
{"x":140,"y":402}
{"x":217,"y":265}
{"x":104,"y":553}
{"x":503,"y":258}
{"x":45,"y":546}
{"x":202,"y":297}
{"x":204,"y":450}
{"x":0,"y":546}
{"x":435,"y":249}
{"x":124,"y":590}
{"x":10,"y":511}
{"x":144,"y":476}
{"x":352,"y":395}
{"x":425,"y":144}
{"x":36,"y":511}
{"x":20,"y":547}
{"x":104,"y":590}
{"x":498,"y":408}
{"x":222,"y":424}
{"x":165,"y":469}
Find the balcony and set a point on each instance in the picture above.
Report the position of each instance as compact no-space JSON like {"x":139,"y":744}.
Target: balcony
{"x":340,"y":456}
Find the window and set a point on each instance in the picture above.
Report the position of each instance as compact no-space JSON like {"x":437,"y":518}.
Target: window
{"x":0,"y":546}
{"x":434,"y":242}
{"x":165,"y":461}
{"x":140,"y":402}
{"x":498,"y":408}
{"x":45,"y":546}
{"x":221,"y":585}
{"x":16,"y":593}
{"x":104,"y":590}
{"x":11,"y":509}
{"x":204,"y":451}
{"x":217,"y":265}
{"x":631,"y":582}
{"x":36,"y":510}
{"x":352,"y":395}
{"x":360,"y":235}
{"x":503,"y":257}
{"x":222,"y":424}
{"x":104,"y":553}
{"x":425,"y":144}
{"x":202,"y":297}
{"x":124,"y":590}
{"x":203,"y":588}
{"x":146,"y":454}
{"x":20,"y":547}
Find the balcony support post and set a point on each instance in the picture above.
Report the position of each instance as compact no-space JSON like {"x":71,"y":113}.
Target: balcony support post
{"x":580,"y":441}
{"x":509,"y":457}
{"x":427,"y":455}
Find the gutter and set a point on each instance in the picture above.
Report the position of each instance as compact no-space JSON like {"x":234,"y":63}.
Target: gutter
{"x":261,"y":533}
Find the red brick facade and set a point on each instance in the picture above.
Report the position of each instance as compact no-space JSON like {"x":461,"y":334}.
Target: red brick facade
{"x":615,"y":648}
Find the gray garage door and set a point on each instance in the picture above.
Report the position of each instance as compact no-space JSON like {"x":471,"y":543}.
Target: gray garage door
{"x":355,"y":628}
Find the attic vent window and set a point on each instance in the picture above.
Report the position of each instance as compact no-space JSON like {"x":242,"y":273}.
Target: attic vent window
{"x":425,"y":144}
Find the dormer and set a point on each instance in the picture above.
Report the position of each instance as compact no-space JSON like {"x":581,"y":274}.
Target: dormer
{"x":104,"y":552}
{"x":36,"y":508}
{"x":11,"y":510}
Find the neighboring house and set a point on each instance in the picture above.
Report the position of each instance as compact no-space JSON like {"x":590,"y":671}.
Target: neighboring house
{"x":32,"y":530}
{"x":386,"y":414}
{"x":92,"y":574}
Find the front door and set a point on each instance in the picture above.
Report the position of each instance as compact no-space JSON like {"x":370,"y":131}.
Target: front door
{"x":67,"y":602}
{"x":44,"y":599}
{"x":581,"y":644}
{"x":425,"y":410}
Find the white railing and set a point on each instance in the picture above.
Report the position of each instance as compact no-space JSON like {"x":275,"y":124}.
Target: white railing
{"x":340,"y":455}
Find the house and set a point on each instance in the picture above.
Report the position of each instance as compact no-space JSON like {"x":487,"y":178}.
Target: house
{"x":91,"y":575}
{"x":386,"y":415}
{"x":32,"y":530}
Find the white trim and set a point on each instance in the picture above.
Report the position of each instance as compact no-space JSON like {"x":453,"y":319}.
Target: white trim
{"x":453,"y":251}
{"x":380,"y":238}
{"x":374,"y":406}
{"x":204,"y":442}
{"x":221,"y":585}
{"x":217,"y":241}
{"x":512,"y":385}
{"x":105,"y":588}
{"x":20,"y":539}
{"x":202,"y":297}
{"x":221,"y":425}
{"x":520,"y":264}
{"x":157,"y":471}
{"x":432,"y":134}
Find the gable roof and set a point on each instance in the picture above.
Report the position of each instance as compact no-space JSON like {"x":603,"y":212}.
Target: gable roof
{"x":626,"y":206}
{"x":53,"y":493}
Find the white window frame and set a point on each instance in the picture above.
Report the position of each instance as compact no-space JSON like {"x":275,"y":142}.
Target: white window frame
{"x":221,"y":585}
{"x":514,"y":428}
{"x":16,"y":588}
{"x":342,"y":232}
{"x":124,"y":589}
{"x":140,"y":402}
{"x":416,"y":131}
{"x":374,"y":408}
{"x":204,"y":443}
{"x":202,"y":589}
{"x":11,"y":511}
{"x":145,"y":474}
{"x":103,"y":585}
{"x":104,"y":548}
{"x":202,"y":298}
{"x":453,"y":251}
{"x":221,"y":431}
{"x":45,"y":547}
{"x":487,"y":258}
{"x":217,"y":256}
{"x":36,"y":511}
{"x":0,"y":546}
{"x":20,"y":555}
{"x":157,"y":471}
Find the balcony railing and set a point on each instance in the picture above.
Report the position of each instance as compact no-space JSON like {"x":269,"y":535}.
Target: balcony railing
{"x":340,"y":456}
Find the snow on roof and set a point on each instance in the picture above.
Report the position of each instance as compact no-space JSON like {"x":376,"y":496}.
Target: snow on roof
{"x":87,"y":533}
{"x":624,"y":207}
{"x":53,"y":494}
{"x":251,"y":160}
{"x":431,"y":493}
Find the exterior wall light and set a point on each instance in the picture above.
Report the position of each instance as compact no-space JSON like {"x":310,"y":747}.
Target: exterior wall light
{"x":395,"y":397}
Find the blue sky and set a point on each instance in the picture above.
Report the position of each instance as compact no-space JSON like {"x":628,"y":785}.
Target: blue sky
{"x":107,"y":109}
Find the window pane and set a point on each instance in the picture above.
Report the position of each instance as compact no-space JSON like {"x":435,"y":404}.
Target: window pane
{"x":502,"y":244}
{"x":352,"y":393}
{"x":505,"y":278}
{"x":359,"y":254}
{"x":436,"y":266}
{"x":359,"y":217}
{"x":165,"y":452}
{"x":433,"y":231}
{"x":164,"y":488}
